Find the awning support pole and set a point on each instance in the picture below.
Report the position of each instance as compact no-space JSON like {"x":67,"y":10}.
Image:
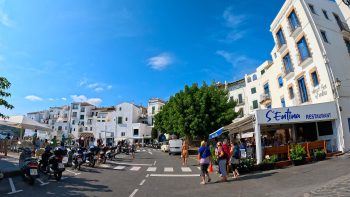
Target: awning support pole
{"x":258,"y":141}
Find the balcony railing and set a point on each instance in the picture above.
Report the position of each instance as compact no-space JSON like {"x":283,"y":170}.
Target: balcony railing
{"x":265,"y":99}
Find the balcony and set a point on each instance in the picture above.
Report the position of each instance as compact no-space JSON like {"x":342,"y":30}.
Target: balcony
{"x":282,"y":49}
{"x":265,"y":99}
{"x":240,"y":103}
{"x":345,"y":29}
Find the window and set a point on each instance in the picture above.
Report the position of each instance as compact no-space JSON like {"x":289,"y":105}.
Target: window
{"x":86,"y":128}
{"x":254,"y":77}
{"x":303,"y":49}
{"x":75,"y":106}
{"x":325,"y":14}
{"x":81,"y":117}
{"x":339,"y":22}
{"x":262,"y":72}
{"x":255,"y":104}
{"x":349,"y":123}
{"x":347,"y":43}
{"x":120,"y":108}
{"x":90,"y":128}
{"x":266,"y":89}
{"x":240,"y":98}
{"x":82,"y":109}
{"x":231,"y":98}
{"x":120,"y":120}
{"x":136,"y":132}
{"x":280,"y":38}
{"x":280,"y":81}
{"x":288,"y":64}
{"x":302,"y":89}
{"x":253,"y":90}
{"x":291,"y":92}
{"x":325,"y":128}
{"x":293,"y":21}
{"x":312,"y":8}
{"x":74,"y":114}
{"x":126,"y":119}
{"x":123,"y":134}
{"x":314,"y":78}
{"x":324,"y":36}
{"x":73,"y":122}
{"x":153,"y":109}
{"x":283,"y":102}
{"x":249,"y":79}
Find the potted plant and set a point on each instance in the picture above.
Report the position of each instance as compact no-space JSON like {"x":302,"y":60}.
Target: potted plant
{"x":319,"y":155}
{"x":246,"y":165}
{"x":268,"y":163}
{"x":297,"y":155}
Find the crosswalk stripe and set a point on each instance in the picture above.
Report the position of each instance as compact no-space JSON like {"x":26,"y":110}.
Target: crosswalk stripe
{"x":186,"y":169}
{"x":135,"y":168}
{"x":151,"y":169}
{"x":168,"y":169}
{"x":119,"y":168}
{"x":199,"y":168}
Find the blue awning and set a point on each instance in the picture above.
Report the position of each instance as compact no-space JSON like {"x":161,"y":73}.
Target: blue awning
{"x":217,"y":133}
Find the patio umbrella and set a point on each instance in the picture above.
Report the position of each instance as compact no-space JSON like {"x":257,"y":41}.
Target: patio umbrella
{"x":23,"y":122}
{"x":217,"y":133}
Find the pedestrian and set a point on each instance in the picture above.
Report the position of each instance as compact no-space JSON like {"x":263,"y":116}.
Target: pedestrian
{"x":37,"y":144}
{"x":45,"y":144}
{"x":226,"y":148}
{"x":222,"y":158}
{"x":184,"y":153}
{"x":235,"y":159}
{"x":54,"y":141}
{"x":133,"y":149}
{"x":205,"y":160}
{"x":91,"y":142}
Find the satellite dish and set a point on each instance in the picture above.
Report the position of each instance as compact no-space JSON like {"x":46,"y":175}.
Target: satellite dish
{"x":347,"y":2}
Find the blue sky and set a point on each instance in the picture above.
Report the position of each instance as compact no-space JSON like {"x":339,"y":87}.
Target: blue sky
{"x":107,"y":52}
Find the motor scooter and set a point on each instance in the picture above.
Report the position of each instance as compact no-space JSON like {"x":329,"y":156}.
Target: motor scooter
{"x":28,"y":166}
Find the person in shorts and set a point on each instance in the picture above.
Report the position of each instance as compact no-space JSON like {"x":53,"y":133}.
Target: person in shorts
{"x":205,"y":159}
{"x":235,"y":159}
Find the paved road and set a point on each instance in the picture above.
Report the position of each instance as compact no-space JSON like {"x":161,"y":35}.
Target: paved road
{"x":154,"y":173}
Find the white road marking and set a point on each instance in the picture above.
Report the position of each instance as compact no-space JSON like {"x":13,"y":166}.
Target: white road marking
{"x":151,"y":169}
{"x":142,"y":182}
{"x":119,"y":168}
{"x":143,"y":150}
{"x":13,"y":187}
{"x":199,"y":168}
{"x":42,"y":183}
{"x":154,"y":163}
{"x":135,"y":168}
{"x":133,"y":193}
{"x":186,"y":169}
{"x":73,"y":172}
{"x":105,"y":166}
{"x":175,"y":175}
{"x":168,"y":169}
{"x":129,"y":164}
{"x":150,"y":153}
{"x":147,"y":175}
{"x":138,"y":150}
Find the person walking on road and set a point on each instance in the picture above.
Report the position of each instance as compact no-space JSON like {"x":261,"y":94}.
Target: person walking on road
{"x":235,"y":159}
{"x":184,"y":153}
{"x":222,"y":158}
{"x":205,"y":159}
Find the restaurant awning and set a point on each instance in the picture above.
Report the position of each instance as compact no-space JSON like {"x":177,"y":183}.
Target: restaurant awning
{"x":241,"y":125}
{"x":217,"y":133}
{"x":86,"y":135}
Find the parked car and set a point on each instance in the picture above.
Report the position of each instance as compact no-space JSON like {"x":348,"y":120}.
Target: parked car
{"x":165,"y":147}
{"x":175,"y":146}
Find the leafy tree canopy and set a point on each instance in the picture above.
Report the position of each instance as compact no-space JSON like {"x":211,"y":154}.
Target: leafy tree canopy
{"x":4,"y":85}
{"x":196,"y":111}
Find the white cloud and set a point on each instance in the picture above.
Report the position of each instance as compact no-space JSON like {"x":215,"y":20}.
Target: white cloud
{"x":109,"y":87}
{"x":99,"y":89}
{"x":92,"y":85}
{"x":33,"y":98}
{"x":233,"y":22}
{"x":51,"y":99}
{"x":83,"y":98}
{"x":160,"y":61}
{"x":4,"y":18}
{"x":83,"y":82}
{"x":64,"y":98}
{"x":238,"y":61}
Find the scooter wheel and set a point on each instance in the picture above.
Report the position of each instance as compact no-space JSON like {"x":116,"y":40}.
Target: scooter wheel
{"x":58,"y":176}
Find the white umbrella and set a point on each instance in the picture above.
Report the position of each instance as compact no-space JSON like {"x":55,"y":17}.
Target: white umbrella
{"x":23,"y":122}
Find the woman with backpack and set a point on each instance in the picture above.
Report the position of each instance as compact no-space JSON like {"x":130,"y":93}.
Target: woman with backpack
{"x":235,"y":159}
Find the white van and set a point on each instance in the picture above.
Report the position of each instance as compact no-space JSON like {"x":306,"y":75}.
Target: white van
{"x":175,"y":146}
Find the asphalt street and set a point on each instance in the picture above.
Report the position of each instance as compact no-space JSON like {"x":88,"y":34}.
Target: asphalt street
{"x":153,"y":173}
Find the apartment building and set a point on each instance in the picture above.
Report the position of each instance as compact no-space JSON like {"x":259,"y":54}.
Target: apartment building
{"x":103,"y":124}
{"x":154,"y":106}
{"x":303,"y":94}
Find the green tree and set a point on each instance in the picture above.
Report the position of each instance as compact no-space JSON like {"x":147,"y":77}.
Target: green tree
{"x":4,"y":85}
{"x":196,"y":111}
{"x":154,"y":133}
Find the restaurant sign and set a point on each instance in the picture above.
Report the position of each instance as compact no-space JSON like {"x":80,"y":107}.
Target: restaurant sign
{"x":305,"y":113}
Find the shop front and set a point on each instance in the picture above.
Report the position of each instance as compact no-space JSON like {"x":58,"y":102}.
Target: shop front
{"x":281,"y":127}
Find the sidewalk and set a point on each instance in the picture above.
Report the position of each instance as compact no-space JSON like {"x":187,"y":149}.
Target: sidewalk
{"x":9,"y":164}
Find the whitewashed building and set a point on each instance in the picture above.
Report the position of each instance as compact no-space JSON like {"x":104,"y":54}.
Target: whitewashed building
{"x":304,"y":92}
{"x":103,"y":124}
{"x":154,"y":106}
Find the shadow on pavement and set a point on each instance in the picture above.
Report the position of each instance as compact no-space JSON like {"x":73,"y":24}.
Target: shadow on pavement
{"x":253,"y":176}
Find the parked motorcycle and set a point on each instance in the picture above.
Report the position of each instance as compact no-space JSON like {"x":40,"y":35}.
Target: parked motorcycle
{"x":102,"y":155}
{"x":77,"y":159}
{"x":28,"y":165}
{"x":90,"y":157}
{"x":51,"y":162}
{"x":112,"y":152}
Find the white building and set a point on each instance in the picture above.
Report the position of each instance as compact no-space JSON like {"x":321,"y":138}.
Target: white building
{"x":310,"y":68}
{"x":154,"y":106}
{"x":103,"y":124}
{"x":79,"y":114}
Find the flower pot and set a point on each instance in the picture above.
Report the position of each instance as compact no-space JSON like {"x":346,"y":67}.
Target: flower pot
{"x":298,"y":162}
